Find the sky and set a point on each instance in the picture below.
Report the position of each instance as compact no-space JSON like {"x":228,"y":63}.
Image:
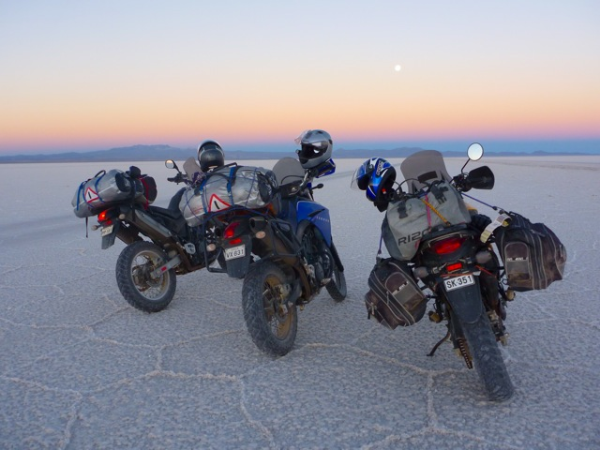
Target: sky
{"x":90,"y":75}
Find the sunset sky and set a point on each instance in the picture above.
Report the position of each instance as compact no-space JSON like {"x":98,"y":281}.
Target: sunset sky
{"x":91,"y":75}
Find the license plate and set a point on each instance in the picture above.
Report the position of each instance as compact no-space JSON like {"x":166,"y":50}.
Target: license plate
{"x":458,"y":282}
{"x":235,"y":252}
{"x":107,"y":230}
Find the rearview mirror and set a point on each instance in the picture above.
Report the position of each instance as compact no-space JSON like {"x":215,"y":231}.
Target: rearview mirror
{"x":475,"y":151}
{"x":170,"y":164}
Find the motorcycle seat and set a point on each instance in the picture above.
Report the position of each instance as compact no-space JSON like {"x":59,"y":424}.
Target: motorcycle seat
{"x":172,"y":211}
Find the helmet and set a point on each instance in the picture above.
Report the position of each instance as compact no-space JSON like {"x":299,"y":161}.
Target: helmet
{"x":316,"y":147}
{"x":210,"y":155}
{"x":376,"y":176}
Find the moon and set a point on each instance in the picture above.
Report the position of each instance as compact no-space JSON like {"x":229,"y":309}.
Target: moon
{"x":397,"y":67}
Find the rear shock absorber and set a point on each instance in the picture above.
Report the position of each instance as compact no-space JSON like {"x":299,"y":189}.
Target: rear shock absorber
{"x":463,"y":349}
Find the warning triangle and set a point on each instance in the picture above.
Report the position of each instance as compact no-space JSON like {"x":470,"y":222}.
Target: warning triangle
{"x":216,"y":204}
{"x":90,"y":195}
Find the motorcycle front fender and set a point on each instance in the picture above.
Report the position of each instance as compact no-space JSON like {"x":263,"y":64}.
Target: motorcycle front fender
{"x":466,"y":302}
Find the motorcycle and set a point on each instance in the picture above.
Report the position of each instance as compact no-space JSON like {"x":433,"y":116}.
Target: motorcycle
{"x":284,"y":252}
{"x":146,"y":270}
{"x":437,"y":253}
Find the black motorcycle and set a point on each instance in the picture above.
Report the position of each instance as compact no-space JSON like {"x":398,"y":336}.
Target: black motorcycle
{"x":160,"y":244}
{"x":437,"y":253}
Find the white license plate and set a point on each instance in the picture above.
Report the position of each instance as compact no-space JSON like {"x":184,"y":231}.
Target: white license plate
{"x":458,"y":282}
{"x":235,"y":252}
{"x":107,"y":230}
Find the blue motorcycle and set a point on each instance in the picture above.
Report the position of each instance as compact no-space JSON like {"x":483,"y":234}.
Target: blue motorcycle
{"x":283,"y":251}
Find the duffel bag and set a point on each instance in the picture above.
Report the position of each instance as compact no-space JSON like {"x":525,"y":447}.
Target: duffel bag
{"x":114,"y":186}
{"x":227,"y":186}
{"x":394,"y":297}
{"x":407,"y":220}
{"x":533,"y":255}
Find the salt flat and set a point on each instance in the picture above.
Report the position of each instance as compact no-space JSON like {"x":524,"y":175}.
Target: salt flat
{"x":81,"y":369}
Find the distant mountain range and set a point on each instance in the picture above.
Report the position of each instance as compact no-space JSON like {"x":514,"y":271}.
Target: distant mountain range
{"x":163,"y":152}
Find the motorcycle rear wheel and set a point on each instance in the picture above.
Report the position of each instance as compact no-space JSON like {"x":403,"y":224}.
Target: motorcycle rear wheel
{"x":271,"y":321}
{"x":488,"y":359}
{"x":138,"y":287}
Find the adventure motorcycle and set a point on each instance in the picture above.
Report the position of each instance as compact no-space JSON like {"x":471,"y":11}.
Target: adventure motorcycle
{"x":438,"y":253}
{"x":283,"y":251}
{"x":146,"y":269}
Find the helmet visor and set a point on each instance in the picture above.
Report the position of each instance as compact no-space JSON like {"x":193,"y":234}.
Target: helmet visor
{"x":359,"y":179}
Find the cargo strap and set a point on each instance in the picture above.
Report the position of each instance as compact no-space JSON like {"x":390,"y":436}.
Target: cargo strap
{"x":146,"y":204}
{"x":103,"y":172}
{"x":429,"y":205}
{"x":230,"y":178}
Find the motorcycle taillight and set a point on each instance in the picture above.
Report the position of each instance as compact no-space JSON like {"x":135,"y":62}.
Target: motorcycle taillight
{"x":447,"y":246}
{"x":230,"y":230}
{"x":104,"y":217}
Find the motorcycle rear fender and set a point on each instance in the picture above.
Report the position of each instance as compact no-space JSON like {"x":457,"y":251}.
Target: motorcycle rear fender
{"x":109,"y":240}
{"x":237,"y":268}
{"x":318,"y":215}
{"x":466,"y":303}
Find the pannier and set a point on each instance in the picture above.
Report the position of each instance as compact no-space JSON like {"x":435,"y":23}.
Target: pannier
{"x":533,"y":255}
{"x":394,"y":297}
{"x":114,"y":186}
{"x":227,"y":186}
{"x":407,"y":220}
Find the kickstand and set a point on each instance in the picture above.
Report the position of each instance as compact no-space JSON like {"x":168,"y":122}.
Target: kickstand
{"x":436,"y":346}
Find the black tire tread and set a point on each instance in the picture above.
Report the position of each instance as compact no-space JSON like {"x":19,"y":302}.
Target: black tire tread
{"x":488,"y":359}
{"x":126,"y":285}
{"x":254,"y":312}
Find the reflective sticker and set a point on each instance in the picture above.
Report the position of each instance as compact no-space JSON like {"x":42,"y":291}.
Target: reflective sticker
{"x":90,"y":195}
{"x":217,"y":204}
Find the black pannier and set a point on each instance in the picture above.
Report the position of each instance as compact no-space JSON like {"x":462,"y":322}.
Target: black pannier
{"x":394,"y":297}
{"x":533,"y":255}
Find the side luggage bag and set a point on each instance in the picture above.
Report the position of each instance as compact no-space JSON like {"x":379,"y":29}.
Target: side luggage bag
{"x":533,"y":255}
{"x":394,"y":297}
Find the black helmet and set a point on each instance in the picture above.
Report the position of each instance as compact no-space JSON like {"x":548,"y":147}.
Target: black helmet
{"x":316,"y":147}
{"x":210,"y":155}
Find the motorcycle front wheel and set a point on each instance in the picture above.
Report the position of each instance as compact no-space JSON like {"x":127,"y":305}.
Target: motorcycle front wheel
{"x":488,"y":359}
{"x":134,"y":270}
{"x":337,"y":286}
{"x":271,"y":321}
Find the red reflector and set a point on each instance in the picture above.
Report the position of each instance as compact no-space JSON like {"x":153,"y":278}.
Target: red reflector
{"x":453,"y":267}
{"x":447,"y":245}
{"x":235,"y":241}
{"x":230,"y":230}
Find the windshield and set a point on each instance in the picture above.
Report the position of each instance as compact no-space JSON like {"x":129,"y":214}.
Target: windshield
{"x":424,"y":166}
